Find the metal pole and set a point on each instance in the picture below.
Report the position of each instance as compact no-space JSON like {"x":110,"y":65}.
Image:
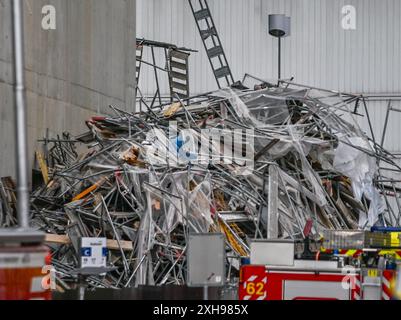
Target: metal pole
{"x":386,"y":123}
{"x":205,"y":293}
{"x":20,"y":115}
{"x":279,"y":58}
{"x":156,"y":76}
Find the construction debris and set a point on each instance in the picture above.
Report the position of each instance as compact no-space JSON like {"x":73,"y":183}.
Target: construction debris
{"x":251,"y":164}
{"x":8,"y":202}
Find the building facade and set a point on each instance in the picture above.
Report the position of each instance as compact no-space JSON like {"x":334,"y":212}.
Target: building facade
{"x":325,"y":49}
{"x":72,"y":72}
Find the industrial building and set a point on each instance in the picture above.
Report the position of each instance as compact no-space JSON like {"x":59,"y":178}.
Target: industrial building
{"x":200,"y":149}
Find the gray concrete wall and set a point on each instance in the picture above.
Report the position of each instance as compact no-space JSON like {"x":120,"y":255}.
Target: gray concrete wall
{"x":72,"y":73}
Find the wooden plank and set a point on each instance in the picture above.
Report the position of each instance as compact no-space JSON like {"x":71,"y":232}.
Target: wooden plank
{"x":89,"y":190}
{"x":55,"y":238}
{"x":43,"y":167}
{"x":111,"y":244}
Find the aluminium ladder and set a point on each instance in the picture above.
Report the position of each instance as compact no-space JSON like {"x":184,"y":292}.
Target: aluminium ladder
{"x":212,"y":43}
{"x":178,"y":73}
{"x":138,"y":64}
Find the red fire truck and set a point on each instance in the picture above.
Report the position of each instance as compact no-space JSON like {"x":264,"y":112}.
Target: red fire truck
{"x":23,"y":261}
{"x":275,"y":273}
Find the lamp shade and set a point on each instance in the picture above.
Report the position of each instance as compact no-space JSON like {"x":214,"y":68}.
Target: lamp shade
{"x":279,"y":25}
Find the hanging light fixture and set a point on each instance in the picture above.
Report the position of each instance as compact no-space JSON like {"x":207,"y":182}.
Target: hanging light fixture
{"x":279,"y":27}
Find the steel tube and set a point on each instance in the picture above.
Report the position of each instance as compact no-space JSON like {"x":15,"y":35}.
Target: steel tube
{"x":279,"y":58}
{"x":205,"y":293}
{"x":20,"y":115}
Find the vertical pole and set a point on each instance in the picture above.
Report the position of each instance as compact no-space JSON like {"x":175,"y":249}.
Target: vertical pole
{"x":397,"y":288}
{"x":386,"y":123}
{"x":20,"y":115}
{"x":272,"y":211}
{"x":279,"y":59}
{"x":205,"y":293}
{"x":156,"y":76}
{"x":168,"y":68}
{"x":81,"y":287}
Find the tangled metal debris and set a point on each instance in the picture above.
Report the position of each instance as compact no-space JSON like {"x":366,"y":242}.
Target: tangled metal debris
{"x":8,"y":203}
{"x":283,"y":156}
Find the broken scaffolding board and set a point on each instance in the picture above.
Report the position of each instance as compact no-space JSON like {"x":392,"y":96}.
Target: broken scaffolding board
{"x":179,"y":74}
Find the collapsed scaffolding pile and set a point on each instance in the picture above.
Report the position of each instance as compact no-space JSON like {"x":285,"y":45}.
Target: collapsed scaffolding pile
{"x":248,"y":163}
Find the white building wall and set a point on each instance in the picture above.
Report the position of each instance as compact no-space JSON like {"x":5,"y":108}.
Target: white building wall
{"x":319,"y":51}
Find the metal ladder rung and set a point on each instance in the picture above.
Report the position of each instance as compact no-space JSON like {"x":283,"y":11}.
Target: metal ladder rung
{"x":180,"y":55}
{"x":178,"y":65}
{"x":222,"y":72}
{"x":214,"y":52}
{"x":202,"y":14}
{"x":179,"y":75}
{"x":179,"y":86}
{"x":208,"y":32}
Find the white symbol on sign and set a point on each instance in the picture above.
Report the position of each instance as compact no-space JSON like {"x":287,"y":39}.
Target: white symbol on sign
{"x":348,"y":21}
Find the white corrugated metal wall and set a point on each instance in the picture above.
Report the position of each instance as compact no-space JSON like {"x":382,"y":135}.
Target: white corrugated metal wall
{"x":319,"y":51}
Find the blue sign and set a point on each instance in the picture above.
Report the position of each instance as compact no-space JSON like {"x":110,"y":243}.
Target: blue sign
{"x":86,"y":252}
